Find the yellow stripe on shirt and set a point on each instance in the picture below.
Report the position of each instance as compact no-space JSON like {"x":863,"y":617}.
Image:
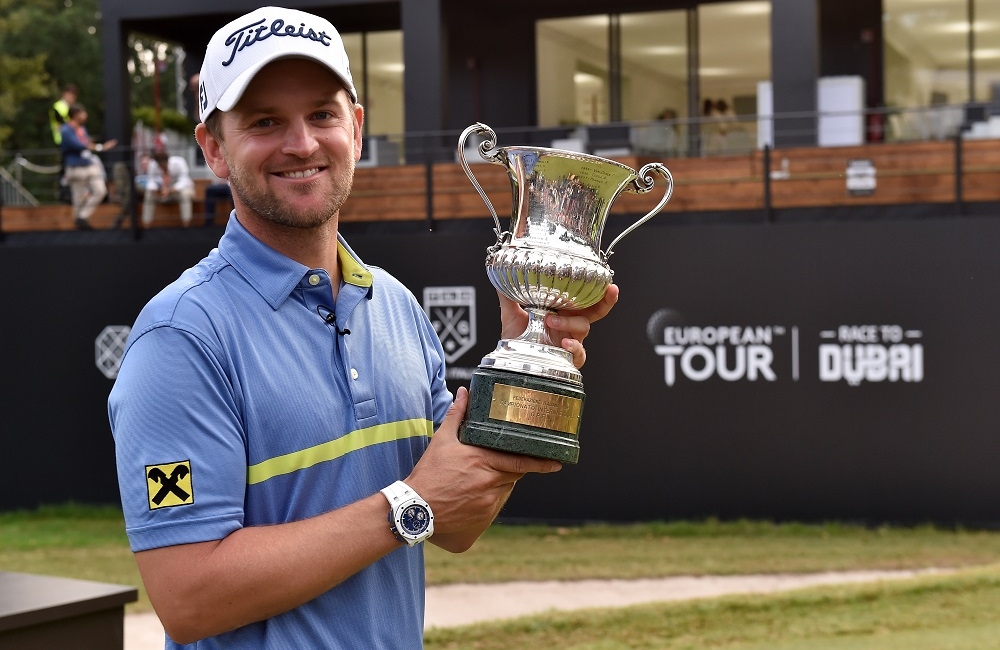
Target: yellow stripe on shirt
{"x":353,"y":441}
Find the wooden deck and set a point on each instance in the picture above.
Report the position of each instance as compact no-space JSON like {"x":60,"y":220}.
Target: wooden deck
{"x":921,"y":172}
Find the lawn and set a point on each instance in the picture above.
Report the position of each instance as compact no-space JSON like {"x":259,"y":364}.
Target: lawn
{"x":957,"y":611}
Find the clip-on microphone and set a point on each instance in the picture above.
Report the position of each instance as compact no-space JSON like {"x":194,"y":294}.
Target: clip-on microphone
{"x":330,"y":318}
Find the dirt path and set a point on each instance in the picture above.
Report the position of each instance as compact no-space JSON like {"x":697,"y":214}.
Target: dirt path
{"x":462,"y":604}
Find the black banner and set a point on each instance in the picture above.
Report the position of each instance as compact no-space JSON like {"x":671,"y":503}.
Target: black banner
{"x":792,"y":371}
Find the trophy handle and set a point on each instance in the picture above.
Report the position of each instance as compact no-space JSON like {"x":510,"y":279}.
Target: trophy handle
{"x":487,"y":149}
{"x":643,"y":183}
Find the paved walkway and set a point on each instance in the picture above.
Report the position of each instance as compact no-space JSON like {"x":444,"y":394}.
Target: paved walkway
{"x":462,"y":604}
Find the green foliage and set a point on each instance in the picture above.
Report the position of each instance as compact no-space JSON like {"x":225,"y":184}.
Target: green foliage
{"x":142,"y":52}
{"x":56,"y":42}
{"x":25,"y":79}
{"x":45,"y":44}
{"x":170,"y":119}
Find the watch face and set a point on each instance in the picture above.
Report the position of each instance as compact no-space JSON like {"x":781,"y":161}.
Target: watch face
{"x":414,"y":519}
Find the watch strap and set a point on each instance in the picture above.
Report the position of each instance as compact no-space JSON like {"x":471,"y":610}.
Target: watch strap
{"x":397,"y":492}
{"x":399,"y":495}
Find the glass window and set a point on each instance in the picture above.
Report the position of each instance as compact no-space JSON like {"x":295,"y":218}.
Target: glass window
{"x":926,"y":62}
{"x":654,"y":68}
{"x":355,"y":54}
{"x":734,"y":55}
{"x":987,"y":53}
{"x":378,"y":78}
{"x":572,"y":70}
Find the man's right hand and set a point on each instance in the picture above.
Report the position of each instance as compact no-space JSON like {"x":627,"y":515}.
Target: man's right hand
{"x":465,"y":485}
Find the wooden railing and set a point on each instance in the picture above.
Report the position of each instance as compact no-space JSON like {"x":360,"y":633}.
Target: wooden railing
{"x":942,"y":172}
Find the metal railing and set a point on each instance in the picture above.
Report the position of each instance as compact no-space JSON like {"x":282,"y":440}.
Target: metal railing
{"x":31,"y":178}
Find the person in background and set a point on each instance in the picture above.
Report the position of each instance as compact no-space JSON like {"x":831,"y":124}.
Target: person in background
{"x":724,"y":122}
{"x":659,"y":137}
{"x":58,"y":115}
{"x":284,"y":436}
{"x":167,"y":178}
{"x":142,"y":173}
{"x":85,"y":172}
{"x":215,"y":193}
{"x":218,"y":189}
{"x":59,"y":111}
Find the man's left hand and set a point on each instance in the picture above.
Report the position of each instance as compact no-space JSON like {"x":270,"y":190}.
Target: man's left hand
{"x":567,"y":328}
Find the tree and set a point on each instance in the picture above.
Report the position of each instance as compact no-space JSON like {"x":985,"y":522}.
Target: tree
{"x":144,"y":54}
{"x":46,"y":44}
{"x":25,"y":77}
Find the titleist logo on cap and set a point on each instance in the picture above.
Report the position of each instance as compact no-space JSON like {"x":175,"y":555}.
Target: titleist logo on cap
{"x":256,"y":32}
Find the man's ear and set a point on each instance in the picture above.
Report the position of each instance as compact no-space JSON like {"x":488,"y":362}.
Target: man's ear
{"x":211,"y":148}
{"x":359,"y":121}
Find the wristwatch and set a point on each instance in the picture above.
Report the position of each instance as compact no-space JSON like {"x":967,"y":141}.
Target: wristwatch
{"x":410,"y":517}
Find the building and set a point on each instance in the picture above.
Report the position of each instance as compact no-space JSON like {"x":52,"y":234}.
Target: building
{"x":433,"y":66}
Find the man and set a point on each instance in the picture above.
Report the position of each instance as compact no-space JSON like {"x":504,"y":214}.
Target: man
{"x":59,"y":112}
{"x":167,"y":177}
{"x":273,"y":411}
{"x":84,"y":173}
{"x":59,"y":115}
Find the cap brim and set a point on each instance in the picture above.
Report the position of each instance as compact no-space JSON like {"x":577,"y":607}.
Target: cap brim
{"x":236,"y":89}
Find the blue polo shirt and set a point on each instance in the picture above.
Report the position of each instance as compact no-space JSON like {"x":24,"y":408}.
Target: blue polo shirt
{"x":242,"y":400}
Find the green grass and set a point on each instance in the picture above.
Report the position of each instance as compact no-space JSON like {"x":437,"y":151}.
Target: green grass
{"x":72,"y":541}
{"x":949,"y":612}
{"x":715,"y":548}
{"x":955,"y":612}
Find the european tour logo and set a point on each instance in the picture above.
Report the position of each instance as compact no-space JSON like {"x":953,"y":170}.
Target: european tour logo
{"x":848,"y":353}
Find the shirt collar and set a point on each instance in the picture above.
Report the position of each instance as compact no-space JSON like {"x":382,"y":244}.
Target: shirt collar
{"x":352,"y":269}
{"x":273,"y":275}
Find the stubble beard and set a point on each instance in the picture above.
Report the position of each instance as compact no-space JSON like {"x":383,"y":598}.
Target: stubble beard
{"x":269,"y":207}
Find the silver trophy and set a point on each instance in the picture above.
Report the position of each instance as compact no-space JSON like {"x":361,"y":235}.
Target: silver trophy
{"x":527,"y":396}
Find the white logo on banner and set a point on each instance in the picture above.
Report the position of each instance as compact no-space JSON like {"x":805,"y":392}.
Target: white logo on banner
{"x":452,"y":312}
{"x":872,"y":353}
{"x":730,"y":352}
{"x":109,"y":348}
{"x":851,"y":353}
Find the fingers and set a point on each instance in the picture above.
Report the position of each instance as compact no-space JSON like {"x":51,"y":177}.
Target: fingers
{"x":515,"y":465}
{"x":467,"y":485}
{"x":600,"y":310}
{"x":519,"y":465}
{"x":575,"y":348}
{"x":568,"y":323}
{"x":455,"y":414}
{"x":568,"y":327}
{"x":576,"y":323}
{"x":513,"y":319}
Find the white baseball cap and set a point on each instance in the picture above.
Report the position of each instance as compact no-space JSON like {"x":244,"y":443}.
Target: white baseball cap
{"x":239,"y":50}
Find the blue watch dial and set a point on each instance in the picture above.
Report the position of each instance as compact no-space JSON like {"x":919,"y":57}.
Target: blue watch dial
{"x":414,"y":519}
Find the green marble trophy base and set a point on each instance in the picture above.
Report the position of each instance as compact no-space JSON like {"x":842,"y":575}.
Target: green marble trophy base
{"x":523,"y":414}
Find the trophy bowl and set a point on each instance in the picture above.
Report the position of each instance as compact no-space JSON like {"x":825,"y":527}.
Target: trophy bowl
{"x":527,"y":396}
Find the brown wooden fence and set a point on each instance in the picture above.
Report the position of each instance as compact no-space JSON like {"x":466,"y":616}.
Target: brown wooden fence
{"x":951,"y":171}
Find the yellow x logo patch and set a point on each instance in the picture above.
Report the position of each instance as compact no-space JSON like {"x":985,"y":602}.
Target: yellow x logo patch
{"x":169,"y":484}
